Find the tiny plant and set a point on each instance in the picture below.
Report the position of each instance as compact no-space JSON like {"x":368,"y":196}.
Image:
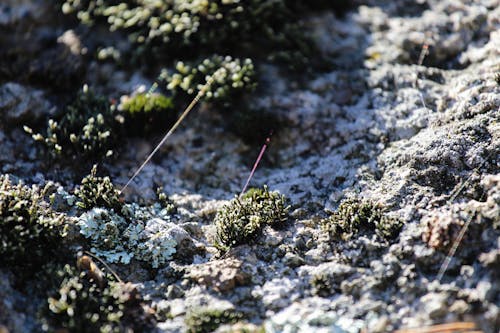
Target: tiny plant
{"x":231,"y":77}
{"x":89,"y":301}
{"x":30,"y":231}
{"x":243,"y":218}
{"x":88,"y":130}
{"x":97,"y":191}
{"x":355,"y":215}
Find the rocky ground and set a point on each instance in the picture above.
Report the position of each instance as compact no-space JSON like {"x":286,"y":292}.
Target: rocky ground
{"x":419,"y":138}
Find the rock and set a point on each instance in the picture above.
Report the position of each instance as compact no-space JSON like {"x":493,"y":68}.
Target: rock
{"x":20,"y":105}
{"x":293,"y":260}
{"x":222,"y":275}
{"x":277,"y":293}
{"x":435,"y":304}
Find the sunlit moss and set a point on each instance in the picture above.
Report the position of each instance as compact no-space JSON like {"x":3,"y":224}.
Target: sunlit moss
{"x":243,"y":218}
{"x":355,"y":215}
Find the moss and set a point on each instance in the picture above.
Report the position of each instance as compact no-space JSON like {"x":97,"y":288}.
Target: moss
{"x":181,"y":27}
{"x":231,"y":77}
{"x":89,"y":130}
{"x":147,"y":112}
{"x":322,"y":285}
{"x":164,"y":201}
{"x":30,"y":231}
{"x":147,"y":103}
{"x":204,"y":320}
{"x":97,"y":191}
{"x":355,"y":215}
{"x":89,"y":301}
{"x":243,"y":218}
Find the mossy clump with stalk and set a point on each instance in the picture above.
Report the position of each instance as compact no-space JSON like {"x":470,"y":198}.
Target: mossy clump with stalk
{"x":242,"y":219}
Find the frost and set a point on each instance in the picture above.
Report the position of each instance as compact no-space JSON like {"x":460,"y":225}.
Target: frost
{"x":116,"y":240}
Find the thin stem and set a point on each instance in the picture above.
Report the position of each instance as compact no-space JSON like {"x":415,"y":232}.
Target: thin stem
{"x":257,"y":161}
{"x":195,"y":100}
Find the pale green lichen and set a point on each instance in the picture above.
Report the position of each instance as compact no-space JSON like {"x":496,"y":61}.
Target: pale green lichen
{"x":107,"y":234}
{"x":117,"y":240}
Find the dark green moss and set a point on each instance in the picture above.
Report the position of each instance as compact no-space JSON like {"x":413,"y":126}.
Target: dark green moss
{"x":89,"y":130}
{"x":31,"y":233}
{"x":205,"y":320}
{"x":190,"y":27}
{"x":355,"y":215}
{"x":89,"y":301}
{"x":97,"y":191}
{"x":243,"y":218}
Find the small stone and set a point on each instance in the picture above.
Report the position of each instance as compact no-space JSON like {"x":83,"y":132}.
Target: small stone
{"x":459,"y":307}
{"x":177,"y":307}
{"x":435,"y":305}
{"x":293,"y":260}
{"x":221,"y":275}
{"x":380,"y":325}
{"x":22,"y":105}
{"x":174,"y":291}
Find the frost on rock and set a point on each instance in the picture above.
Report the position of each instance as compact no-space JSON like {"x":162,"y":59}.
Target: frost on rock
{"x":118,"y":241}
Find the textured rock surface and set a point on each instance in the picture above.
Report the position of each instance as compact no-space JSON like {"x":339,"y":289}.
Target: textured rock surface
{"x":421,"y":139}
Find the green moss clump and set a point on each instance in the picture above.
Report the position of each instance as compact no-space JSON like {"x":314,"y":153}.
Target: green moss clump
{"x":204,"y":320}
{"x":88,"y":130}
{"x":97,"y":191}
{"x":355,"y":215}
{"x":30,"y":231}
{"x":147,"y":112}
{"x":243,"y":218}
{"x":165,"y":202}
{"x":231,"y":77}
{"x":212,"y":26}
{"x":147,"y":103}
{"x":87,"y":302}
